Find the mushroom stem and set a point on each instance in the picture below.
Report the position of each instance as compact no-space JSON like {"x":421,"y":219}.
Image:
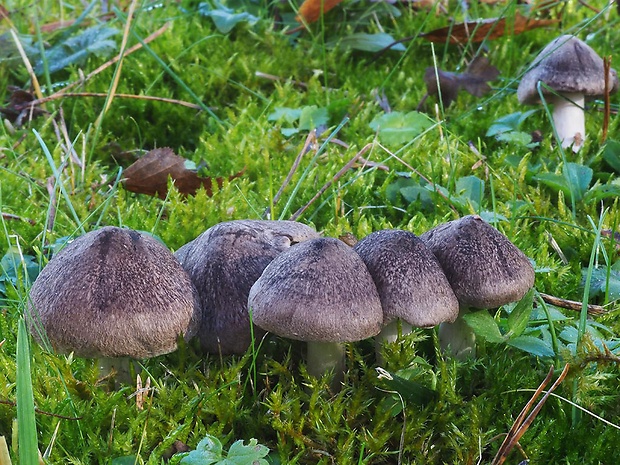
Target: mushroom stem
{"x":325,"y":357}
{"x":119,"y":365}
{"x":458,"y":339}
{"x":390,"y":333}
{"x":569,"y":119}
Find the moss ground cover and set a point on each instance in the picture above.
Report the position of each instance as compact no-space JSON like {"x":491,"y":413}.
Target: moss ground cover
{"x":253,"y":94}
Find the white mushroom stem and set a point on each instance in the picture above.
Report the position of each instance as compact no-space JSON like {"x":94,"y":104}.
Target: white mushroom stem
{"x":458,"y":339}
{"x":121,"y":366}
{"x":390,"y":333}
{"x":326,"y":357}
{"x":569,"y":119}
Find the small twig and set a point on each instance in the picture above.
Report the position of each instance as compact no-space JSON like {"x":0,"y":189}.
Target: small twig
{"x":588,"y":6}
{"x":606,"y":356}
{"x":606,"y":113}
{"x":523,"y":422}
{"x":310,"y":140}
{"x":326,"y":186}
{"x":110,"y":62}
{"x":10,"y":216}
{"x":572,"y":304}
{"x":55,"y":415}
{"x":275,"y":78}
{"x":99,"y":94}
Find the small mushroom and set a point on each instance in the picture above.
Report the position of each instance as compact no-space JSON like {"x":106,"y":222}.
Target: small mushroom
{"x":318,"y":291}
{"x":223,"y":263}
{"x":573,"y":71}
{"x":113,"y":293}
{"x":411,"y":283}
{"x":485,"y":270}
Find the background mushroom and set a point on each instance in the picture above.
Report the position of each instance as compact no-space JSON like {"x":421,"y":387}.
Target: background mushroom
{"x":113,"y":293}
{"x":485,"y":270}
{"x":223,"y":263}
{"x":573,"y":70}
{"x":319,"y":291}
{"x":411,"y":283}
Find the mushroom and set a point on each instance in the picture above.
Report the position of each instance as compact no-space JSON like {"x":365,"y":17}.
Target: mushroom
{"x":485,"y":270}
{"x":113,"y":293}
{"x":411,"y":283}
{"x":223,"y":263}
{"x":318,"y":291}
{"x":573,"y":71}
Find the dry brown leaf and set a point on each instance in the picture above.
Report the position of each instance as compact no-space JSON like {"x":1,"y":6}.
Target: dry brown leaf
{"x":149,"y":175}
{"x":311,"y":10}
{"x":20,"y":106}
{"x":491,"y":28}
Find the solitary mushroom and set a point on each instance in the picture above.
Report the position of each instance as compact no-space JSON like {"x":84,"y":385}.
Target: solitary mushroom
{"x":113,"y":293}
{"x":411,"y":283}
{"x":223,"y":263}
{"x":485,"y":270}
{"x":319,"y":291}
{"x":573,"y":71}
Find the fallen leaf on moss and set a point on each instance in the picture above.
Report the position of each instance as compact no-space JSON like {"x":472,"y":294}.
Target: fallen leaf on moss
{"x":311,"y":10}
{"x":20,"y":106}
{"x":149,"y":175}
{"x":485,"y":29}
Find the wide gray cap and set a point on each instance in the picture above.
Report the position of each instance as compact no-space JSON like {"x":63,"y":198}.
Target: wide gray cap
{"x":483,"y":267}
{"x":410,"y":281}
{"x":566,"y":65}
{"x":223,"y":263}
{"x":319,"y":291}
{"x":113,"y":293}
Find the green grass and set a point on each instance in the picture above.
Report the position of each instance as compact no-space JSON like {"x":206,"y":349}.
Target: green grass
{"x":266,"y":394}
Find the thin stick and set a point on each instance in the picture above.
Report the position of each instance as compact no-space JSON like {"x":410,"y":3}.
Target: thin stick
{"x":572,"y":304}
{"x":10,"y":216}
{"x":55,"y":415}
{"x":22,"y":54}
{"x":121,"y":56}
{"x":273,"y":77}
{"x":522,"y":423}
{"x":110,"y":62}
{"x":100,"y":94}
{"x":306,"y":148}
{"x":326,"y":186}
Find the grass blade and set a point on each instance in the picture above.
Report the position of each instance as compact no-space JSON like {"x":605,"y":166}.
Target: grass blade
{"x":26,"y":422}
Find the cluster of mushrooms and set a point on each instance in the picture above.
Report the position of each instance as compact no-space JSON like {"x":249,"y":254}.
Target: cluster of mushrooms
{"x":118,"y":293}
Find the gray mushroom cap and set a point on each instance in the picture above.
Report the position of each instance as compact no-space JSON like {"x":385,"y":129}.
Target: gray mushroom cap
{"x":410,"y":281}
{"x":113,"y":293}
{"x":483,"y":267}
{"x":223,"y":263}
{"x":318,"y":291}
{"x":566,"y":65}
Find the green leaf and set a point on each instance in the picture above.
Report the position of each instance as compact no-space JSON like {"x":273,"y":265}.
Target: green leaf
{"x":411,"y":391}
{"x":367,"y":42}
{"x":224,"y":18}
{"x":312,"y":117}
{"x":484,"y":325}
{"x":611,"y":154}
{"x":602,"y":191}
{"x":578,"y":177}
{"x":208,"y":451}
{"x":600,"y":282}
{"x":95,"y":40}
{"x":471,"y":187}
{"x":520,"y":315}
{"x":288,"y":115}
{"x":250,"y":454}
{"x":26,"y":422}
{"x":532,"y":345}
{"x":398,"y":128}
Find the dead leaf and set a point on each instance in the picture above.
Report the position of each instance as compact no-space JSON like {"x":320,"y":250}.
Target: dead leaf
{"x":485,"y":29}
{"x":473,"y":80}
{"x":4,"y":13}
{"x":149,"y":175}
{"x":311,"y":10}
{"x":20,"y":106}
